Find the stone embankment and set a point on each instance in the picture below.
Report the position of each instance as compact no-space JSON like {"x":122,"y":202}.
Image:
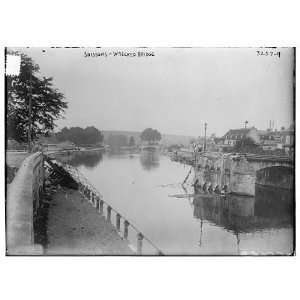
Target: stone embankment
{"x":58,"y":222}
{"x":23,"y":201}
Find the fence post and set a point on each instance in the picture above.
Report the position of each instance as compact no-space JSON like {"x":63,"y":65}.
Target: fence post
{"x":97,"y":202}
{"x":126,"y":224}
{"x":139,"y":243}
{"x":108,"y":213}
{"x":101,"y":207}
{"x":118,"y":216}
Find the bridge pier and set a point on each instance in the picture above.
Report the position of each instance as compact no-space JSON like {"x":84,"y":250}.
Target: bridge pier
{"x":239,"y":173}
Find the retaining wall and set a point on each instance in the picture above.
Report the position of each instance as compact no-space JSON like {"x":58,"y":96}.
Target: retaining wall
{"x":23,"y":199}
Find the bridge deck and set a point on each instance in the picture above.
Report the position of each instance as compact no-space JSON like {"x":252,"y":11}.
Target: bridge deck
{"x":271,"y":158}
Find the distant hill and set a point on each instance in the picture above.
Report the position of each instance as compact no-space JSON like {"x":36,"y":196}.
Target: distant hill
{"x":167,"y":139}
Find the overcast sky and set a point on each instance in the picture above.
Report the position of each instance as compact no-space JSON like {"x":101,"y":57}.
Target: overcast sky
{"x":175,"y":91}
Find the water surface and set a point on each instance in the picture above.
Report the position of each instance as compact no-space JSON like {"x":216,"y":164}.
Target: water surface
{"x":146,"y":188}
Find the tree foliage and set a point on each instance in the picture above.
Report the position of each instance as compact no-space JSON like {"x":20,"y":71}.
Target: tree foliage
{"x":150,"y":135}
{"x":246,"y":145}
{"x":48,"y":103}
{"x":79,"y":136}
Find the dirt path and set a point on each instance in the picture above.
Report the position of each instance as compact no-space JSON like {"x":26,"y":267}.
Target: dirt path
{"x":75,"y":227}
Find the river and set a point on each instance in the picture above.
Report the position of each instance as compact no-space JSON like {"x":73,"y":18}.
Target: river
{"x":146,"y":188}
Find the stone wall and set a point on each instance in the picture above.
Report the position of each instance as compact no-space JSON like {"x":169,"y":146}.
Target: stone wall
{"x":238,"y":174}
{"x":276,"y":177}
{"x":23,"y":199}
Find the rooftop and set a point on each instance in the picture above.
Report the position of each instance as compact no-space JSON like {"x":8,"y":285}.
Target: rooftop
{"x":239,"y":131}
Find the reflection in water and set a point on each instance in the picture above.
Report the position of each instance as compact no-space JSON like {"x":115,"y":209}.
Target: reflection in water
{"x":149,"y":159}
{"x":88,"y":159}
{"x":271,"y":209}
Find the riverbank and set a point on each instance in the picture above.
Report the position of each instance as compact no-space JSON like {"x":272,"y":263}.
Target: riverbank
{"x":75,"y":228}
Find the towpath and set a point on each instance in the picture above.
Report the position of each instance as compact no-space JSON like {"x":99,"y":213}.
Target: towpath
{"x":74,"y":227}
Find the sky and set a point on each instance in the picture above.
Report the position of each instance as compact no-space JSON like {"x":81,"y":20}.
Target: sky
{"x":175,"y":91}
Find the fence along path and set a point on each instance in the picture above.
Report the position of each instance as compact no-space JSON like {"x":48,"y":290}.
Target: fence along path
{"x":143,"y":244}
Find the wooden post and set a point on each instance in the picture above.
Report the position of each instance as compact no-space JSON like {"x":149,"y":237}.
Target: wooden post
{"x":205,"y":127}
{"x":101,"y":207}
{"x":108,"y":213}
{"x":118,"y":217}
{"x":126,"y":224}
{"x":97,"y":203}
{"x":139,"y":243}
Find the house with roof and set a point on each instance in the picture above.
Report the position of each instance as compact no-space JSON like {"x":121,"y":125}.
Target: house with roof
{"x":234,"y":135}
{"x":270,"y":140}
{"x":273,"y":139}
{"x":287,"y":137}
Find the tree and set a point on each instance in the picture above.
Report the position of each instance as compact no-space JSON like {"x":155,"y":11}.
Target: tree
{"x":92,"y":135}
{"x":150,"y":135}
{"x":246,"y":144}
{"x":131,"y":141}
{"x":79,"y":136}
{"x":47,"y":102}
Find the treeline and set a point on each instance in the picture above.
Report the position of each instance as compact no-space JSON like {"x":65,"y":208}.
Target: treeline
{"x":79,"y":136}
{"x":116,"y":141}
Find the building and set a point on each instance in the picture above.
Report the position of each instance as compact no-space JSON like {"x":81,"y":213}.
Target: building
{"x":272,"y":140}
{"x":235,"y":135}
{"x":287,"y":137}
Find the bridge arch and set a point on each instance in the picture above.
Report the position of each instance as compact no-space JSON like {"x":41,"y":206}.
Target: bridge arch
{"x":276,"y":176}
